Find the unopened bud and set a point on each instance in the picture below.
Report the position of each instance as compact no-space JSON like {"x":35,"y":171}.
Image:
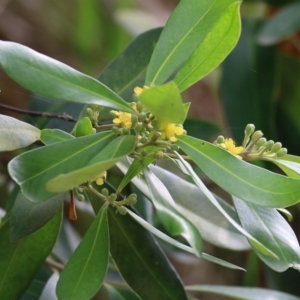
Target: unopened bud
{"x":269,"y":144}
{"x":144,"y":152}
{"x":89,"y":111}
{"x":249,"y":129}
{"x":138,"y":126}
{"x":139,"y":106}
{"x":276,"y":147}
{"x":159,"y":154}
{"x":174,"y":147}
{"x":134,"y":119}
{"x":112,"y":197}
{"x":125,"y":131}
{"x":261,"y":142}
{"x":132,"y":199}
{"x":105,"y":192}
{"x":256,"y":135}
{"x":143,"y":140}
{"x":282,"y":152}
{"x":80,"y":197}
{"x":122,"y":210}
{"x":220,"y":139}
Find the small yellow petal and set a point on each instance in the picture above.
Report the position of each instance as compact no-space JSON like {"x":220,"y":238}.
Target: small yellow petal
{"x":116,"y":121}
{"x":99,"y":181}
{"x":137,"y":90}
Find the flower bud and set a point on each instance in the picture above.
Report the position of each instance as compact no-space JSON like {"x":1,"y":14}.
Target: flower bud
{"x":125,"y":131}
{"x":261,"y":142}
{"x":282,"y":152}
{"x":249,"y":129}
{"x":269,"y":144}
{"x":89,"y":111}
{"x":144,"y":152}
{"x":276,"y":147}
{"x":80,"y":197}
{"x":142,"y":117}
{"x":159,"y":154}
{"x":143,"y":140}
{"x":112,"y":197}
{"x":174,"y":147}
{"x":139,"y":106}
{"x":134,"y":119}
{"x":256,"y":135}
{"x":132,"y":199}
{"x":105,"y":192}
{"x":220,"y":139}
{"x":122,"y":210}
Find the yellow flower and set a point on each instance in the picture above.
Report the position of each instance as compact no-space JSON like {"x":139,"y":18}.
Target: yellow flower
{"x":169,"y":131}
{"x":123,"y":118}
{"x":229,"y":145}
{"x":100,"y":179}
{"x":137,"y":90}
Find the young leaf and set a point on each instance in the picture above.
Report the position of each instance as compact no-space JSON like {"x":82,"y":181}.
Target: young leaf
{"x":241,"y":293}
{"x":272,"y":230}
{"x":165,"y":103}
{"x":106,"y":158}
{"x":50,"y":78}
{"x":52,"y":136}
{"x":85,"y":271}
{"x":241,"y":179}
{"x":33,"y":169}
{"x":15,"y":134}
{"x":21,"y":260}
{"x":84,"y":127}
{"x":213,"y":49}
{"x":187,"y":27}
{"x":27,"y":217}
{"x":173,"y":221}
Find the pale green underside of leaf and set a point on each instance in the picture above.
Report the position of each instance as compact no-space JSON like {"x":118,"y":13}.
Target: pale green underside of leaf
{"x":15,"y":134}
{"x":50,"y":78}
{"x":52,"y":136}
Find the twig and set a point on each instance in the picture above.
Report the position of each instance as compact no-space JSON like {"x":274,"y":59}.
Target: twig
{"x":62,"y":116}
{"x":54,"y":264}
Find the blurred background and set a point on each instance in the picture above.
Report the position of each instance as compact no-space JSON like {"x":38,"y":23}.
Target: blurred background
{"x":258,"y":83}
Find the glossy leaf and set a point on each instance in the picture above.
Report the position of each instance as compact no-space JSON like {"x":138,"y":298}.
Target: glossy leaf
{"x":128,"y":70}
{"x":213,"y":49}
{"x":105,"y":159}
{"x":281,"y":26}
{"x":52,"y":136}
{"x":27,"y":217}
{"x":272,"y":230}
{"x":177,"y":43}
{"x":259,"y":246}
{"x":165,"y":103}
{"x":174,"y":222}
{"x":50,"y":78}
{"x":86,"y":269}
{"x":241,"y":179}
{"x":33,"y":169}
{"x":179,"y":245}
{"x":15,"y":134}
{"x":21,"y":260}
{"x":242,"y":293}
{"x":84,"y":127}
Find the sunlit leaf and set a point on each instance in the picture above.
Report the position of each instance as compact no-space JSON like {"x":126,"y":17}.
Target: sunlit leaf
{"x":50,"y":78}
{"x":15,"y":134}
{"x":241,"y":179}
{"x":272,"y":230}
{"x":86,"y":269}
{"x":52,"y":136}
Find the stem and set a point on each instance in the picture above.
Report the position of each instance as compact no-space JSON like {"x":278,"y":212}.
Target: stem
{"x":53,"y":264}
{"x":72,"y":207}
{"x":62,"y":116}
{"x":105,"y":126}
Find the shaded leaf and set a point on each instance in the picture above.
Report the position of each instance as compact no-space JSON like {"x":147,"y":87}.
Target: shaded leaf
{"x":49,"y":289}
{"x":272,"y":230}
{"x":15,"y":134}
{"x":213,"y":49}
{"x":116,"y":293}
{"x":52,"y":136}
{"x":21,"y":260}
{"x":85,"y":271}
{"x":242,"y":293}
{"x":50,"y":78}
{"x":27,"y":217}
{"x":33,"y":169}
{"x":241,"y":179}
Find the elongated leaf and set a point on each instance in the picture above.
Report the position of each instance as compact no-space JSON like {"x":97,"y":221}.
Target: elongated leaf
{"x":86,"y":269}
{"x":117,"y":293}
{"x":290,"y":164}
{"x":52,"y":136}
{"x":109,"y":156}
{"x":173,"y":221}
{"x":243,"y":180}
{"x":259,"y":246}
{"x":242,"y":293}
{"x":128,"y":70}
{"x":27,"y":217}
{"x":21,"y":260}
{"x":165,"y":103}
{"x":281,"y":26}
{"x":179,"y":245}
{"x":213,"y":49}
{"x":33,"y":169}
{"x":272,"y":230}
{"x":49,"y":289}
{"x":15,"y":134}
{"x":187,"y":27}
{"x":50,"y":78}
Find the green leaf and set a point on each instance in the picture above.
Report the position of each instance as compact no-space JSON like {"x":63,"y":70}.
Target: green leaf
{"x":187,"y":27}
{"x":179,"y":245}
{"x":213,"y":49}
{"x":50,"y":78}
{"x":15,"y":134}
{"x":105,"y":159}
{"x":117,"y":293}
{"x":33,"y":169}
{"x":281,"y":26}
{"x":21,"y":260}
{"x":85,"y":271}
{"x":241,"y":179}
{"x":272,"y":230}
{"x":49,"y":289}
{"x":290,"y":164}
{"x":241,"y":293}
{"x":27,"y":217}
{"x":52,"y":136}
{"x":174,"y":222}
{"x":84,"y":127}
{"x":128,"y":70}
{"x":259,"y":246}
{"x":165,"y":103}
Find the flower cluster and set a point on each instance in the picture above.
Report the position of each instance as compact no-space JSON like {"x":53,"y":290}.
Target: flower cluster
{"x":229,"y":145}
{"x":169,"y":131}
